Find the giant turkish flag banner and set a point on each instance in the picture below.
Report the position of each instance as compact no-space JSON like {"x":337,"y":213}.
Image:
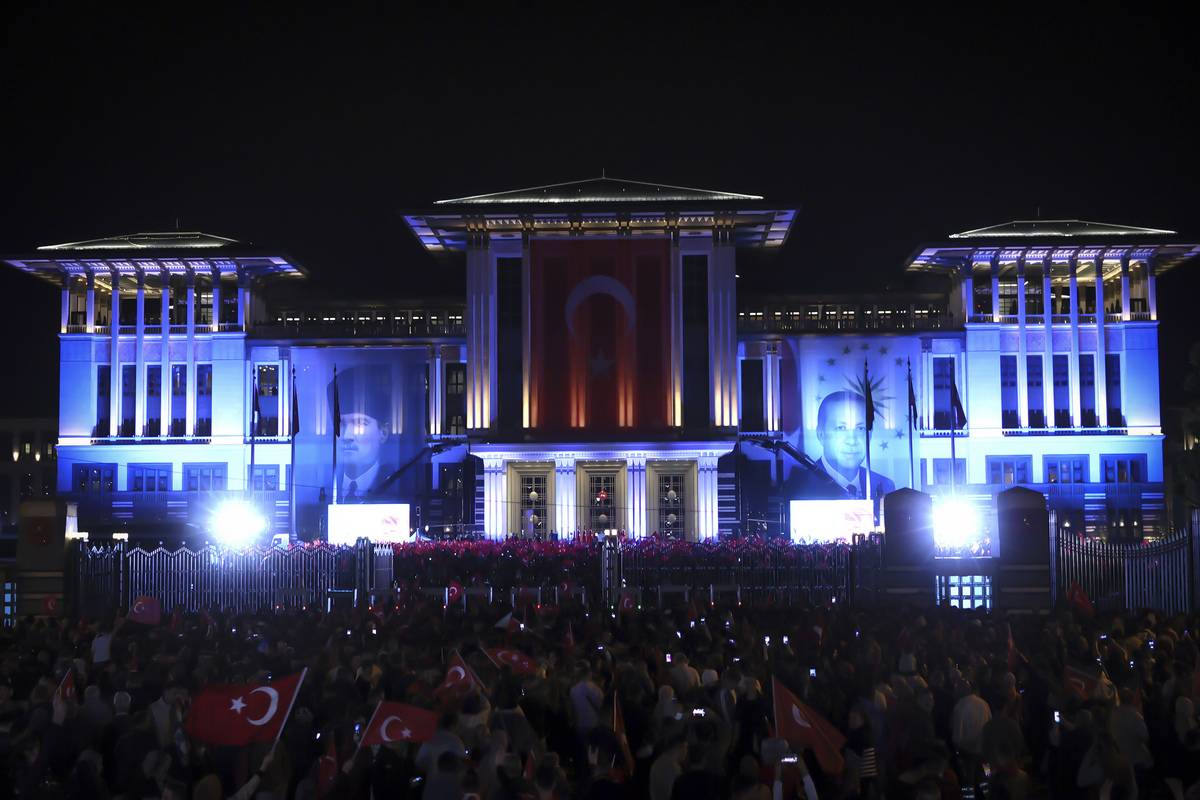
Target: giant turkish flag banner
{"x":600,"y":334}
{"x":515,"y":660}
{"x":244,"y":713}
{"x":397,"y":722}
{"x":804,"y":728}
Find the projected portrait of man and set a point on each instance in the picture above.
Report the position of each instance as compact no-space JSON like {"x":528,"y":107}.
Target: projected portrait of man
{"x":842,"y":432}
{"x":364,"y":459}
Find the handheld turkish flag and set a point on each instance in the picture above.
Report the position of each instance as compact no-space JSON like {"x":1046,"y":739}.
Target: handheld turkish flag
{"x":66,"y":687}
{"x":628,"y":602}
{"x":1078,"y":599}
{"x":459,"y":677}
{"x":327,"y":770}
{"x":805,"y":728}
{"x":515,"y":660}
{"x":146,"y":610}
{"x":239,"y":714}
{"x":397,"y":722}
{"x":569,"y":639}
{"x":1078,"y":682}
{"x":453,"y":593}
{"x":565,"y":589}
{"x":50,"y":606}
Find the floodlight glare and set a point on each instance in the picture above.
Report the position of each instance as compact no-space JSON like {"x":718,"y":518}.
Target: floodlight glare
{"x":956,"y":524}
{"x":236,"y":523}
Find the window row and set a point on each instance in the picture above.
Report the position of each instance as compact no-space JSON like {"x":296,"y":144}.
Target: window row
{"x":157,"y":478}
{"x":1065,"y":469}
{"x":153,"y":424}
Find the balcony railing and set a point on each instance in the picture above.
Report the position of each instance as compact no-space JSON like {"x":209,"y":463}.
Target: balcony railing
{"x":178,"y":329}
{"x":229,"y":327}
{"x":153,"y":330}
{"x":755,"y":323}
{"x":101,"y":329}
{"x":1035,"y":319}
{"x":358,"y":329}
{"x":77,"y":329}
{"x":1087,"y":319}
{"x":127,"y":330}
{"x":1060,"y":319}
{"x":1141,"y":316}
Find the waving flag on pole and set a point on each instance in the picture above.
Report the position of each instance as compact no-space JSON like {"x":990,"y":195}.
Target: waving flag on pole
{"x":295,"y":406}
{"x":515,"y":660}
{"x":240,"y":714}
{"x":960,"y":414}
{"x":397,"y":722}
{"x":146,"y":610}
{"x":459,"y":676}
{"x":804,"y":728}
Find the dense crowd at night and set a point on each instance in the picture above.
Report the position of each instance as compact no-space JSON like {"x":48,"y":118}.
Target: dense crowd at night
{"x":570,"y":701}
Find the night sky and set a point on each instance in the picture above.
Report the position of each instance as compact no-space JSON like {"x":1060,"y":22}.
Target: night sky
{"x":309,"y":133}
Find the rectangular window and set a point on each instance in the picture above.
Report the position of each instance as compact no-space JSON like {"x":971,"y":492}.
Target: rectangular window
{"x":943,"y":375}
{"x":941,"y":471}
{"x":204,"y":477}
{"x":1009,"y":470}
{"x":204,"y":307}
{"x":982,"y":275}
{"x":1036,"y":398}
{"x":94,"y":478}
{"x":601,"y":489}
{"x":128,"y":398}
{"x":267,"y":382}
{"x":1033,"y":289}
{"x":178,"y":399}
{"x":454,"y":414}
{"x":147,"y":478}
{"x":1065,"y":469}
{"x":753,"y":416}
{"x":204,"y":395}
{"x":670,"y":506}
{"x":965,"y":591}
{"x":1087,"y":390}
{"x":1112,"y":389}
{"x":1010,"y":415}
{"x":1062,"y":391}
{"x":264,"y":477}
{"x":533,"y":503}
{"x":153,"y":399}
{"x":1124,"y":468}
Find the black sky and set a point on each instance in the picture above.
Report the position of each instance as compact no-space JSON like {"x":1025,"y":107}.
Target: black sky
{"x":308,"y":131}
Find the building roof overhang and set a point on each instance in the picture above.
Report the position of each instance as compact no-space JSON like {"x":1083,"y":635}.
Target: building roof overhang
{"x":600,"y":207}
{"x":1054,"y":240}
{"x":177,"y":253}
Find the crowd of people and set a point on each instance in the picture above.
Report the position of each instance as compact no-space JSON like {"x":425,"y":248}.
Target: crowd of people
{"x":665,"y":703}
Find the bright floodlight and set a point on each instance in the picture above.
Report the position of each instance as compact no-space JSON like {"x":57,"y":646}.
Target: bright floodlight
{"x":956,"y":524}
{"x":237,"y":523}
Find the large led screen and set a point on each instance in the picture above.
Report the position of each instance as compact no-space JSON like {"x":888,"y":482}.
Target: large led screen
{"x":381,"y":396}
{"x":379,"y":522}
{"x":829,"y":520}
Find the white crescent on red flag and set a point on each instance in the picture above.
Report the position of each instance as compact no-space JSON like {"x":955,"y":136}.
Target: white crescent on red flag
{"x":240,"y":714}
{"x":805,"y":729}
{"x":66,"y":687}
{"x":459,"y":676}
{"x":145,"y":610}
{"x":397,"y":722}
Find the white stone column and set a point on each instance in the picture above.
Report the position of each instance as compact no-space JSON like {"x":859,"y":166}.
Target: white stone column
{"x":164,"y":381}
{"x":1022,"y":361}
{"x":243,"y":298}
{"x":481,"y":339}
{"x":675,"y":411}
{"x":1125,"y":287}
{"x":139,"y":379}
{"x":1073,"y":367}
{"x":65,"y":317}
{"x":115,"y":358}
{"x":771,"y":385}
{"x":190,"y":423}
{"x":1048,"y":351}
{"x":1100,"y":371}
{"x":1151,"y":289}
{"x":436,"y":390}
{"x":994,"y":264}
{"x":216,"y":300}
{"x":637,"y":523}
{"x":494,"y":496}
{"x":565,"y":513}
{"x":706,"y":500}
{"x":526,"y":336}
{"x":90,"y":320}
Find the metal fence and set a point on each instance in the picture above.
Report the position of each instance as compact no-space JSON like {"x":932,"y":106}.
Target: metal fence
{"x":784,"y":574}
{"x":1159,"y":574}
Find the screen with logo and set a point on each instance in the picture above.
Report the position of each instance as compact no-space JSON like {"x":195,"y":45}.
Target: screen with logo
{"x":829,"y":520}
{"x":379,"y":522}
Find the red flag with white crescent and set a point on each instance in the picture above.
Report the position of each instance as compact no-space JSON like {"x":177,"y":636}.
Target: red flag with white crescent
{"x":240,"y":714}
{"x":66,"y":687}
{"x":146,"y":610}
{"x":600,"y":334}
{"x":398,"y":722}
{"x":515,"y":660}
{"x":459,"y":676}
{"x":805,"y":729}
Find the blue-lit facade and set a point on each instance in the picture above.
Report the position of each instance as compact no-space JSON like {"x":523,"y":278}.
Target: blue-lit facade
{"x":490,"y":413}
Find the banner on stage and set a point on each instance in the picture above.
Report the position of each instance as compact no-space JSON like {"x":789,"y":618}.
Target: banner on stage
{"x":829,"y":520}
{"x":379,"y":522}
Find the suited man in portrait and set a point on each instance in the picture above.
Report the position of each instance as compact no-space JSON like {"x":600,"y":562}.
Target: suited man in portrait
{"x":364,"y":449}
{"x":842,"y":432}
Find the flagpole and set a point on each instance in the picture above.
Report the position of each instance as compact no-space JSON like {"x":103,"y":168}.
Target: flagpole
{"x":337,"y":424}
{"x":292,"y":430}
{"x":868,"y":418}
{"x":912,"y":469}
{"x":253,"y":432}
{"x":291,"y":704}
{"x":953,"y":460}
{"x":370,"y":722}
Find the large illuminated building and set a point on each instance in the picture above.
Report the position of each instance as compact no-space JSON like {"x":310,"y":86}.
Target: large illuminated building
{"x":601,"y":372}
